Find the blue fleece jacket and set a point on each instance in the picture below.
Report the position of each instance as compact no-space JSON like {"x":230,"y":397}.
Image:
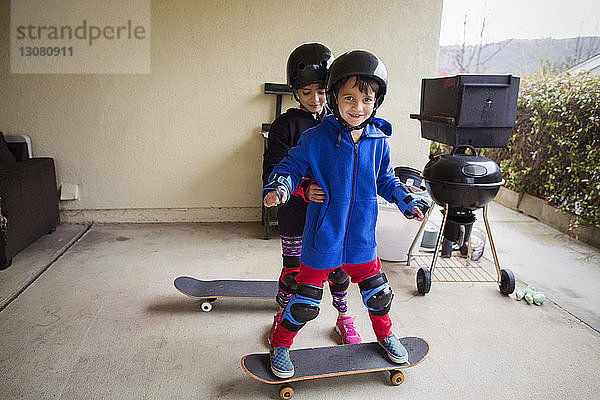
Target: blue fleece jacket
{"x":341,"y":230}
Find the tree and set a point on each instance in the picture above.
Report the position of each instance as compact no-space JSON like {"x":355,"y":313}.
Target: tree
{"x":474,"y":58}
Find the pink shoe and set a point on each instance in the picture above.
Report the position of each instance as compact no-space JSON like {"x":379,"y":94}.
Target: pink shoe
{"x":345,"y":327}
{"x":276,"y":321}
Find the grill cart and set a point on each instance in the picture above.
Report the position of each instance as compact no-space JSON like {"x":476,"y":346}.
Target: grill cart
{"x":465,"y":111}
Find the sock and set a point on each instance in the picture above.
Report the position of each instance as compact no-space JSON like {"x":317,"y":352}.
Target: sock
{"x":283,"y":298}
{"x":340,"y":301}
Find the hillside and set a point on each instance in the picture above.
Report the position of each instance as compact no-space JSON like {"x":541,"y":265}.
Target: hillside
{"x":518,"y":56}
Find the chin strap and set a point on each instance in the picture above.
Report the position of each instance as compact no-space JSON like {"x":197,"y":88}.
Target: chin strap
{"x":339,"y":137}
{"x":349,"y":129}
{"x":318,"y":117}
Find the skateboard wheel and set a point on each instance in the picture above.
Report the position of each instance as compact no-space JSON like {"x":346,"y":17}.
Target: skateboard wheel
{"x":286,"y":392}
{"x":507,"y":282}
{"x":423,"y":281}
{"x":206,"y":306}
{"x":396,"y":377}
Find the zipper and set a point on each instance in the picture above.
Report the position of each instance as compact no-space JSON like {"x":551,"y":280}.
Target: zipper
{"x":351,"y":196}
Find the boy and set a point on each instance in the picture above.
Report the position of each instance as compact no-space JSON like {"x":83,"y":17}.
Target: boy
{"x":307,"y":68}
{"x":348,"y":156}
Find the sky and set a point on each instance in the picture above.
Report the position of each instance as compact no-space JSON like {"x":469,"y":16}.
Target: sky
{"x":518,"y":19}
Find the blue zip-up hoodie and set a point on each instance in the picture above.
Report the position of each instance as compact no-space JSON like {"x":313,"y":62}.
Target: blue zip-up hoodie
{"x":341,"y":230}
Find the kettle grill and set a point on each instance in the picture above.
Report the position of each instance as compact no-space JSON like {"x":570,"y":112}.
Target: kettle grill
{"x":466,"y":112}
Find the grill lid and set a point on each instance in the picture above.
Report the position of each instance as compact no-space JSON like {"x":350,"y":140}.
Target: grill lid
{"x":462,"y":168}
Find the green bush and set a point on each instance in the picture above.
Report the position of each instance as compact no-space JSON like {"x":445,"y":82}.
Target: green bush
{"x":554,"y":150}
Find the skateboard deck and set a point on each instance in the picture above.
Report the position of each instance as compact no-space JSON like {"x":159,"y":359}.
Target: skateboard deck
{"x":330,"y":361}
{"x":210,"y":291}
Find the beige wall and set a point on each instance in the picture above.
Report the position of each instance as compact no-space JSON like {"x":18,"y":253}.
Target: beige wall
{"x":182,"y":143}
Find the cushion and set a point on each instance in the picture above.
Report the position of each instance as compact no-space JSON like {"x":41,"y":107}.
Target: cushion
{"x":6,"y":157}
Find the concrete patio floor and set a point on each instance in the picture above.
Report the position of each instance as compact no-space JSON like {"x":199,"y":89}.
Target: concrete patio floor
{"x":104,"y":320}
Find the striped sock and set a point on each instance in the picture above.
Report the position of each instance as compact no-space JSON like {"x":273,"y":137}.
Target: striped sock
{"x":283,"y":298}
{"x":291,"y":246}
{"x":340,"y":301}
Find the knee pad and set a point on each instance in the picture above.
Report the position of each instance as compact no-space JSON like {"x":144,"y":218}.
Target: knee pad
{"x":291,"y":267}
{"x":377,"y":294}
{"x":338,"y":281}
{"x":288,"y":282}
{"x":303,"y":307}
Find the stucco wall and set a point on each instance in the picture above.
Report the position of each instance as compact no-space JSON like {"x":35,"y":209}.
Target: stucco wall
{"x":182,"y":143}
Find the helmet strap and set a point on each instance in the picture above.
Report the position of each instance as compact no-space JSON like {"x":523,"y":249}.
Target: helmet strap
{"x":339,"y":137}
{"x":335,"y":107}
{"x":349,"y":129}
{"x":353,"y":128}
{"x":317,"y":116}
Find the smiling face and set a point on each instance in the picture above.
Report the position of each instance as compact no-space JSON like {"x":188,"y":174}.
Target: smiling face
{"x":354,"y":106}
{"x":312,"y":97}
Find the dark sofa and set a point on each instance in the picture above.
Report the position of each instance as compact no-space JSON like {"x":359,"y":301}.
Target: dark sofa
{"x":28,"y":199}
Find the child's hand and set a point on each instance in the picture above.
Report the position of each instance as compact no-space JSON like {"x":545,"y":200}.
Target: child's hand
{"x":315,"y":193}
{"x":414,"y":207}
{"x":277,"y":191}
{"x":273,"y":198}
{"x":419,"y":216}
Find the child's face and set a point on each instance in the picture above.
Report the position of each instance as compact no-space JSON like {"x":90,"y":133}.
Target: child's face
{"x":355,"y":106}
{"x":312,"y":97}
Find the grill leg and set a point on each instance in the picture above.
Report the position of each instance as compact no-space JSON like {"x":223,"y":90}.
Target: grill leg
{"x":489,"y":234}
{"x":439,"y":240}
{"x":421,"y":228}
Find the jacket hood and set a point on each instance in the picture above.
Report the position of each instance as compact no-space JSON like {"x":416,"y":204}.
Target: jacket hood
{"x":383,"y":126}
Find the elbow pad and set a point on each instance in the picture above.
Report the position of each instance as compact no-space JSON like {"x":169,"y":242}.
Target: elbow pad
{"x":281,"y":183}
{"x":408,"y":200}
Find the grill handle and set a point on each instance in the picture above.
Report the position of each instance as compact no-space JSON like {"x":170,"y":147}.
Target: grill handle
{"x":435,"y":118}
{"x":487,"y":85}
{"x":462,"y":149}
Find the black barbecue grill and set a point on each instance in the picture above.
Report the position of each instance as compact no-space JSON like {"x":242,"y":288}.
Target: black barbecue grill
{"x":477,"y":110}
{"x":465,"y":111}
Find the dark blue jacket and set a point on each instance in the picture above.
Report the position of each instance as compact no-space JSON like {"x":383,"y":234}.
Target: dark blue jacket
{"x":341,"y":230}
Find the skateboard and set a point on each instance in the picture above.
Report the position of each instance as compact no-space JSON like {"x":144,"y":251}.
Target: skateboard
{"x":330,"y":361}
{"x":210,"y":291}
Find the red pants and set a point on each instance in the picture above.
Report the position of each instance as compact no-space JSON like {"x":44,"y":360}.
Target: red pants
{"x":382,"y":325}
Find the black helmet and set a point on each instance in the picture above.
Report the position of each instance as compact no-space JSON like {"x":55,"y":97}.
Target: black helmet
{"x":356,"y":62}
{"x":307,"y":64}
